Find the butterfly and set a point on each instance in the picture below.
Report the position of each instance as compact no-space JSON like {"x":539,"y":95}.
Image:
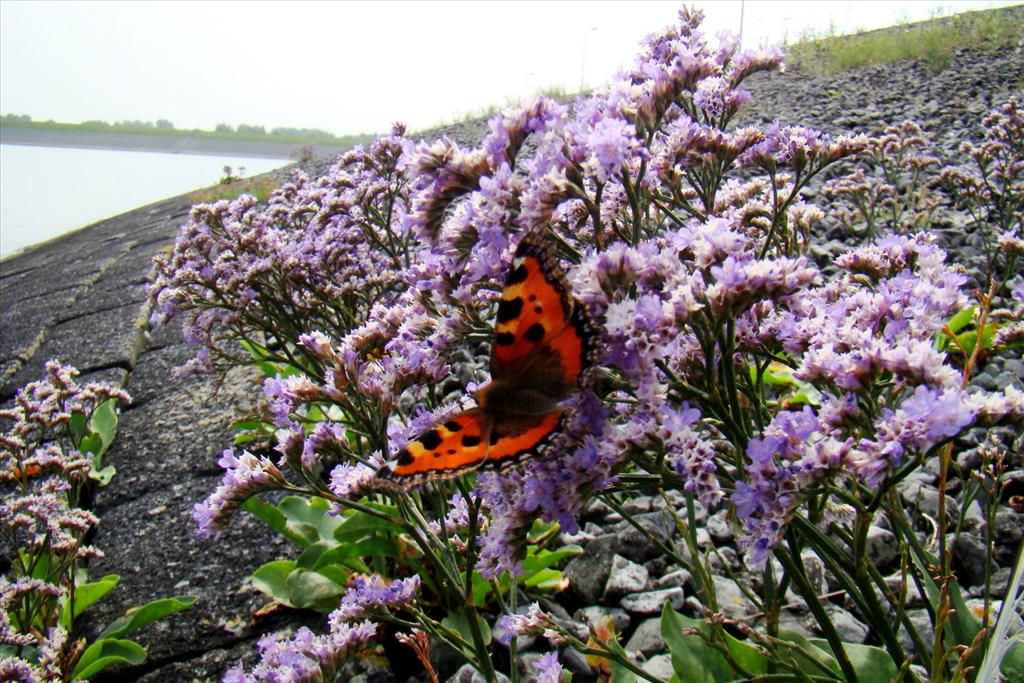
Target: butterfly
{"x":543,"y":341}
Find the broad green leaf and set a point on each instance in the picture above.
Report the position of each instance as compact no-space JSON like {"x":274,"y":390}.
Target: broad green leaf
{"x":1013,"y":664}
{"x":86,"y":595}
{"x":459,"y":622}
{"x":537,"y":560}
{"x":801,"y":658}
{"x":313,"y":590}
{"x":137,"y":617}
{"x":337,"y":573}
{"x":77,"y":425}
{"x":694,"y":661}
{"x":961,"y":319}
{"x":361,"y":524}
{"x":309,"y":517}
{"x":871,"y":663}
{"x":102,"y":475}
{"x":274,"y":518}
{"x":272,"y":580}
{"x":104,"y":423}
{"x":108,"y":652}
{"x":545,"y":580}
{"x":91,"y":444}
{"x":311,"y":555}
{"x":371,"y":547}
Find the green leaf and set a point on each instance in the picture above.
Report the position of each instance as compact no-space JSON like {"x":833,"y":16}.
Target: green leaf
{"x":108,"y":652}
{"x":77,"y":425}
{"x":309,"y":517}
{"x":538,"y":559}
{"x":104,"y":423}
{"x":86,"y":595}
{"x":545,"y":580}
{"x":275,"y":519}
{"x":272,"y":580}
{"x":694,"y":661}
{"x":459,"y":622}
{"x":137,"y":617}
{"x":1013,"y":663}
{"x":313,"y":590}
{"x":359,"y":524}
{"x":871,"y":663}
{"x":91,"y":444}
{"x":102,"y":475}
{"x":961,"y":320}
{"x":802,"y":658}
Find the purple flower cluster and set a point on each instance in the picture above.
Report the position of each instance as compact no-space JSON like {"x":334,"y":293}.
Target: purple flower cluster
{"x":304,"y":657}
{"x":372,"y":595}
{"x":315,"y":257}
{"x":244,"y":477}
{"x":41,"y":528}
{"x":893,"y":193}
{"x":38,"y":442}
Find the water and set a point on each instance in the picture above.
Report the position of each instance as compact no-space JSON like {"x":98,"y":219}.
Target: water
{"x":48,"y":191}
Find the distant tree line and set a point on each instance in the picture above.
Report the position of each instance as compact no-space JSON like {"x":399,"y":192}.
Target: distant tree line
{"x":164,"y":124}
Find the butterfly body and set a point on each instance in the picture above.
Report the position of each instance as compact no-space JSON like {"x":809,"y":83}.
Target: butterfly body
{"x":541,"y":345}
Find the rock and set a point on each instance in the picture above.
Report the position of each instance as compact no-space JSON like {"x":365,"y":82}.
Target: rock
{"x":646,"y":638}
{"x":849,"y":628}
{"x":969,"y":559}
{"x":731,"y":600}
{"x":720,"y":528}
{"x":634,"y":545}
{"x":882,"y":548}
{"x":680,"y":577}
{"x":1009,"y":532}
{"x":576,"y":662}
{"x":923,"y":624}
{"x":587,"y":573}
{"x":652,"y":602}
{"x":800,"y":622}
{"x":659,"y":666}
{"x":624,"y":577}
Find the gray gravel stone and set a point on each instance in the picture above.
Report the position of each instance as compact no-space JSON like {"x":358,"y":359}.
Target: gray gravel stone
{"x":587,"y":573}
{"x":624,"y":577}
{"x":659,"y":666}
{"x":646,"y":638}
{"x":652,"y":602}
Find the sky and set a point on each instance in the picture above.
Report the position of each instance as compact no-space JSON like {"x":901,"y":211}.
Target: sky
{"x":351,"y":67}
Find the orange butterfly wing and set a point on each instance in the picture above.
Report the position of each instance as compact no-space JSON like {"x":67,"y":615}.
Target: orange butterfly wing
{"x":537,"y":321}
{"x":444,"y":451}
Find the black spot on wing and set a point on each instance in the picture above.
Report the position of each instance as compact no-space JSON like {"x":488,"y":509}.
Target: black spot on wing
{"x":509,"y":309}
{"x":470,"y":441}
{"x":452,"y":426}
{"x":535,"y":333}
{"x":403,"y":457}
{"x":431,"y":440}
{"x":517,"y":275}
{"x":504,"y":339}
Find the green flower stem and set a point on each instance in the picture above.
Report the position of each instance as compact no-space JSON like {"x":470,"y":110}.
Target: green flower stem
{"x":795,"y":570}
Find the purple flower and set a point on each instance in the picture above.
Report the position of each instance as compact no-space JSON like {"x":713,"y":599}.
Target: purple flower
{"x":304,"y":657}
{"x":611,"y":143}
{"x":244,"y":477}
{"x":548,"y":668}
{"x":368,"y":594}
